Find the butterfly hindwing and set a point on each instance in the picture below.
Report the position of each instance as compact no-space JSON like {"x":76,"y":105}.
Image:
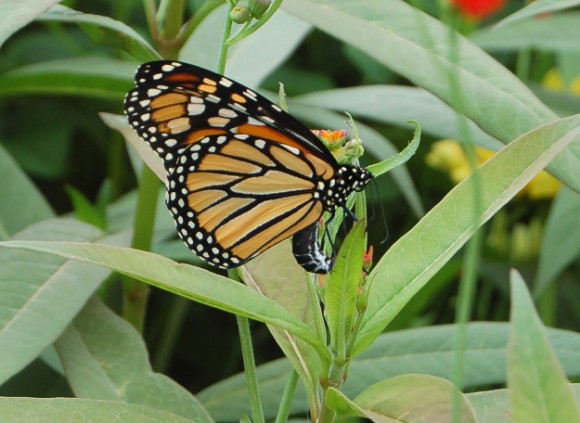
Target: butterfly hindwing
{"x":233,"y":200}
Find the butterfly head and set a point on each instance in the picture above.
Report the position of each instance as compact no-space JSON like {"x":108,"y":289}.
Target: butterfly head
{"x":347,"y":179}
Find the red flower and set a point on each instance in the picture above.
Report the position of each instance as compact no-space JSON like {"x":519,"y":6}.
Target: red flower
{"x":478,"y":9}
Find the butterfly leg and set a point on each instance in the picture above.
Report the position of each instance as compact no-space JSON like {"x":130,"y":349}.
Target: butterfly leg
{"x":307,"y":252}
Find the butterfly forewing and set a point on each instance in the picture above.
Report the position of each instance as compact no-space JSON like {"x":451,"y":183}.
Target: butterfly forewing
{"x":177,"y":104}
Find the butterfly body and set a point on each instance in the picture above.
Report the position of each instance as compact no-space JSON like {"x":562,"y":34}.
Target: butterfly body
{"x":242,"y":175}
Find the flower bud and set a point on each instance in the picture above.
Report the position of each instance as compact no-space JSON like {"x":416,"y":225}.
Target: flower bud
{"x":240,"y":15}
{"x":258,"y":7}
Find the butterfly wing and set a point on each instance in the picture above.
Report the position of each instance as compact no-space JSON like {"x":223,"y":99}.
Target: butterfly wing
{"x":177,"y":104}
{"x":242,"y":174}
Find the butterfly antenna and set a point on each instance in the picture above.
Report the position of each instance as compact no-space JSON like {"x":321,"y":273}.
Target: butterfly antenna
{"x":384,"y":241}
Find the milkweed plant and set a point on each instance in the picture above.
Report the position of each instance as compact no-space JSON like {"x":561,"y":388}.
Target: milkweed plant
{"x":453,"y":294}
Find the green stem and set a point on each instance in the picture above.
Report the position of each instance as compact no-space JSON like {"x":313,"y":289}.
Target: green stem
{"x":250,"y":369}
{"x":221,"y":68}
{"x":170,"y":18}
{"x":548,"y":304}
{"x":523,"y":63}
{"x":170,"y":334}
{"x":287,"y":397}
{"x":136,"y":292}
{"x":150,"y":13}
{"x":249,"y":361}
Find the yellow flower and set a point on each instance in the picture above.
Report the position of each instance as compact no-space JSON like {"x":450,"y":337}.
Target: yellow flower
{"x":554,"y":81}
{"x":448,"y":156}
{"x":543,"y":186}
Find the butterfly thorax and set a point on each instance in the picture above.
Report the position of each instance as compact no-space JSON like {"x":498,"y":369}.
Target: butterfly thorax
{"x":334,"y":192}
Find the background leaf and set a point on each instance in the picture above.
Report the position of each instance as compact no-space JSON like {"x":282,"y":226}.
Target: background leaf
{"x":539,"y":391}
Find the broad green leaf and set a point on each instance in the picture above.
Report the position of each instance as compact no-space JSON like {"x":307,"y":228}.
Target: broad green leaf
{"x":254,"y":58}
{"x":342,"y":291}
{"x":539,"y":391}
{"x":416,"y":257}
{"x":413,"y":397}
{"x":104,"y":30}
{"x":42,"y":294}
{"x":423,"y":50}
{"x":79,"y":76}
{"x":537,"y":8}
{"x":277,"y":275}
{"x":190,"y":282}
{"x":143,"y":149}
{"x":343,"y":406}
{"x":555,"y":33}
{"x":22,"y":204}
{"x":97,"y":368}
{"x":25,"y":410}
{"x":395,"y":105}
{"x":494,"y":406}
{"x":15,"y":14}
{"x":560,"y":244}
{"x":429,"y":350}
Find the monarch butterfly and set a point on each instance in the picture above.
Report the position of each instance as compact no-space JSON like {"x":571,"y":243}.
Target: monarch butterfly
{"x":242,"y":174}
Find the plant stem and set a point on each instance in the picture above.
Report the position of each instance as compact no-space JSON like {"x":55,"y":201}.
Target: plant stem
{"x":250,"y":369}
{"x":287,"y":397}
{"x":169,"y":335}
{"x":169,"y":18}
{"x":221,"y":68}
{"x":150,"y":12}
{"x":136,"y":292}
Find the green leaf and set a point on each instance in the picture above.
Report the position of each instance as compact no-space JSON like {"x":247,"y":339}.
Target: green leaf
{"x":84,"y":210}
{"x":413,"y":397}
{"x":556,"y":33}
{"x":395,"y":105}
{"x":15,"y":14}
{"x":429,"y":350}
{"x":494,"y":406}
{"x":385,"y":166}
{"x":343,"y":406}
{"x":416,"y":257}
{"x":537,"y":8}
{"x":22,"y":204}
{"x":79,"y":76}
{"x":104,"y":30}
{"x":560,"y":244}
{"x":23,"y":410}
{"x":342,"y":291}
{"x":97,"y":368}
{"x":278,"y":276}
{"x":42,"y":294}
{"x":539,"y":391}
{"x":140,"y":147}
{"x":423,"y":50}
{"x":181,"y":279}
